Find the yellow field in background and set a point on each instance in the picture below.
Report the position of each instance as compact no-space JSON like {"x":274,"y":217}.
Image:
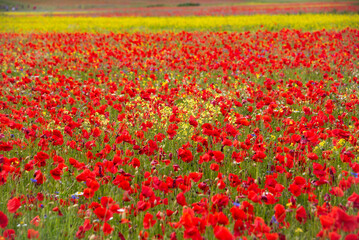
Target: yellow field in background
{"x":26,"y":24}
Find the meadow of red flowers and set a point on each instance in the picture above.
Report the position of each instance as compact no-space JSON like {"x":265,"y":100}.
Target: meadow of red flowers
{"x":185,"y":135}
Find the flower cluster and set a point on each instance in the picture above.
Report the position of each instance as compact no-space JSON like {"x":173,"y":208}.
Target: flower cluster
{"x":185,"y":135}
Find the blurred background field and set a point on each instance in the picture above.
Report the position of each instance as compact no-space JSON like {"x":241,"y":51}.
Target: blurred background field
{"x":175,"y":8}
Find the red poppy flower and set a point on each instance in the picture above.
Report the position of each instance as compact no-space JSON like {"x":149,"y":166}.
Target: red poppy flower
{"x":354,"y":198}
{"x":39,"y":177}
{"x":185,"y":155}
{"x":336,"y":236}
{"x":125,"y":185}
{"x":192,"y":121}
{"x":280,"y":213}
{"x":300,"y":181}
{"x":195,"y":176}
{"x":295,"y":189}
{"x":147,"y":191}
{"x":169,"y":212}
{"x":222,"y":218}
{"x":347,"y":237}
{"x":173,"y":236}
{"x":259,"y":156}
{"x":271,"y":236}
{"x":93,"y":184}
{"x":326,"y":221}
{"x":107,"y":229}
{"x":9,"y":234}
{"x":57,"y":137}
{"x":87,"y":225}
{"x":3,"y":220}
{"x":214,"y":167}
{"x":41,"y":158}
{"x":57,"y":209}
{"x":148,"y":221}
{"x":222,"y":233}
{"x":181,"y":199}
{"x":40,"y":197}
{"x":103,"y":213}
{"x":238,"y":213}
{"x":301,"y":215}
{"x":80,"y":233}
{"x":344,"y":221}
{"x":312,"y":156}
{"x":260,"y":227}
{"x":56,"y":173}
{"x":219,"y":201}
{"x":96,"y":132}
{"x":192,"y":233}
{"x":5,"y":146}
{"x":336,"y":191}
{"x":89,"y":193}
{"x":218,"y":156}
{"x":85,"y":175}
{"x":13,"y":205}
{"x":35,"y":221}
{"x":106,"y":201}
{"x":135,"y":163}
{"x":143,"y":206}
{"x":31,"y":234}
